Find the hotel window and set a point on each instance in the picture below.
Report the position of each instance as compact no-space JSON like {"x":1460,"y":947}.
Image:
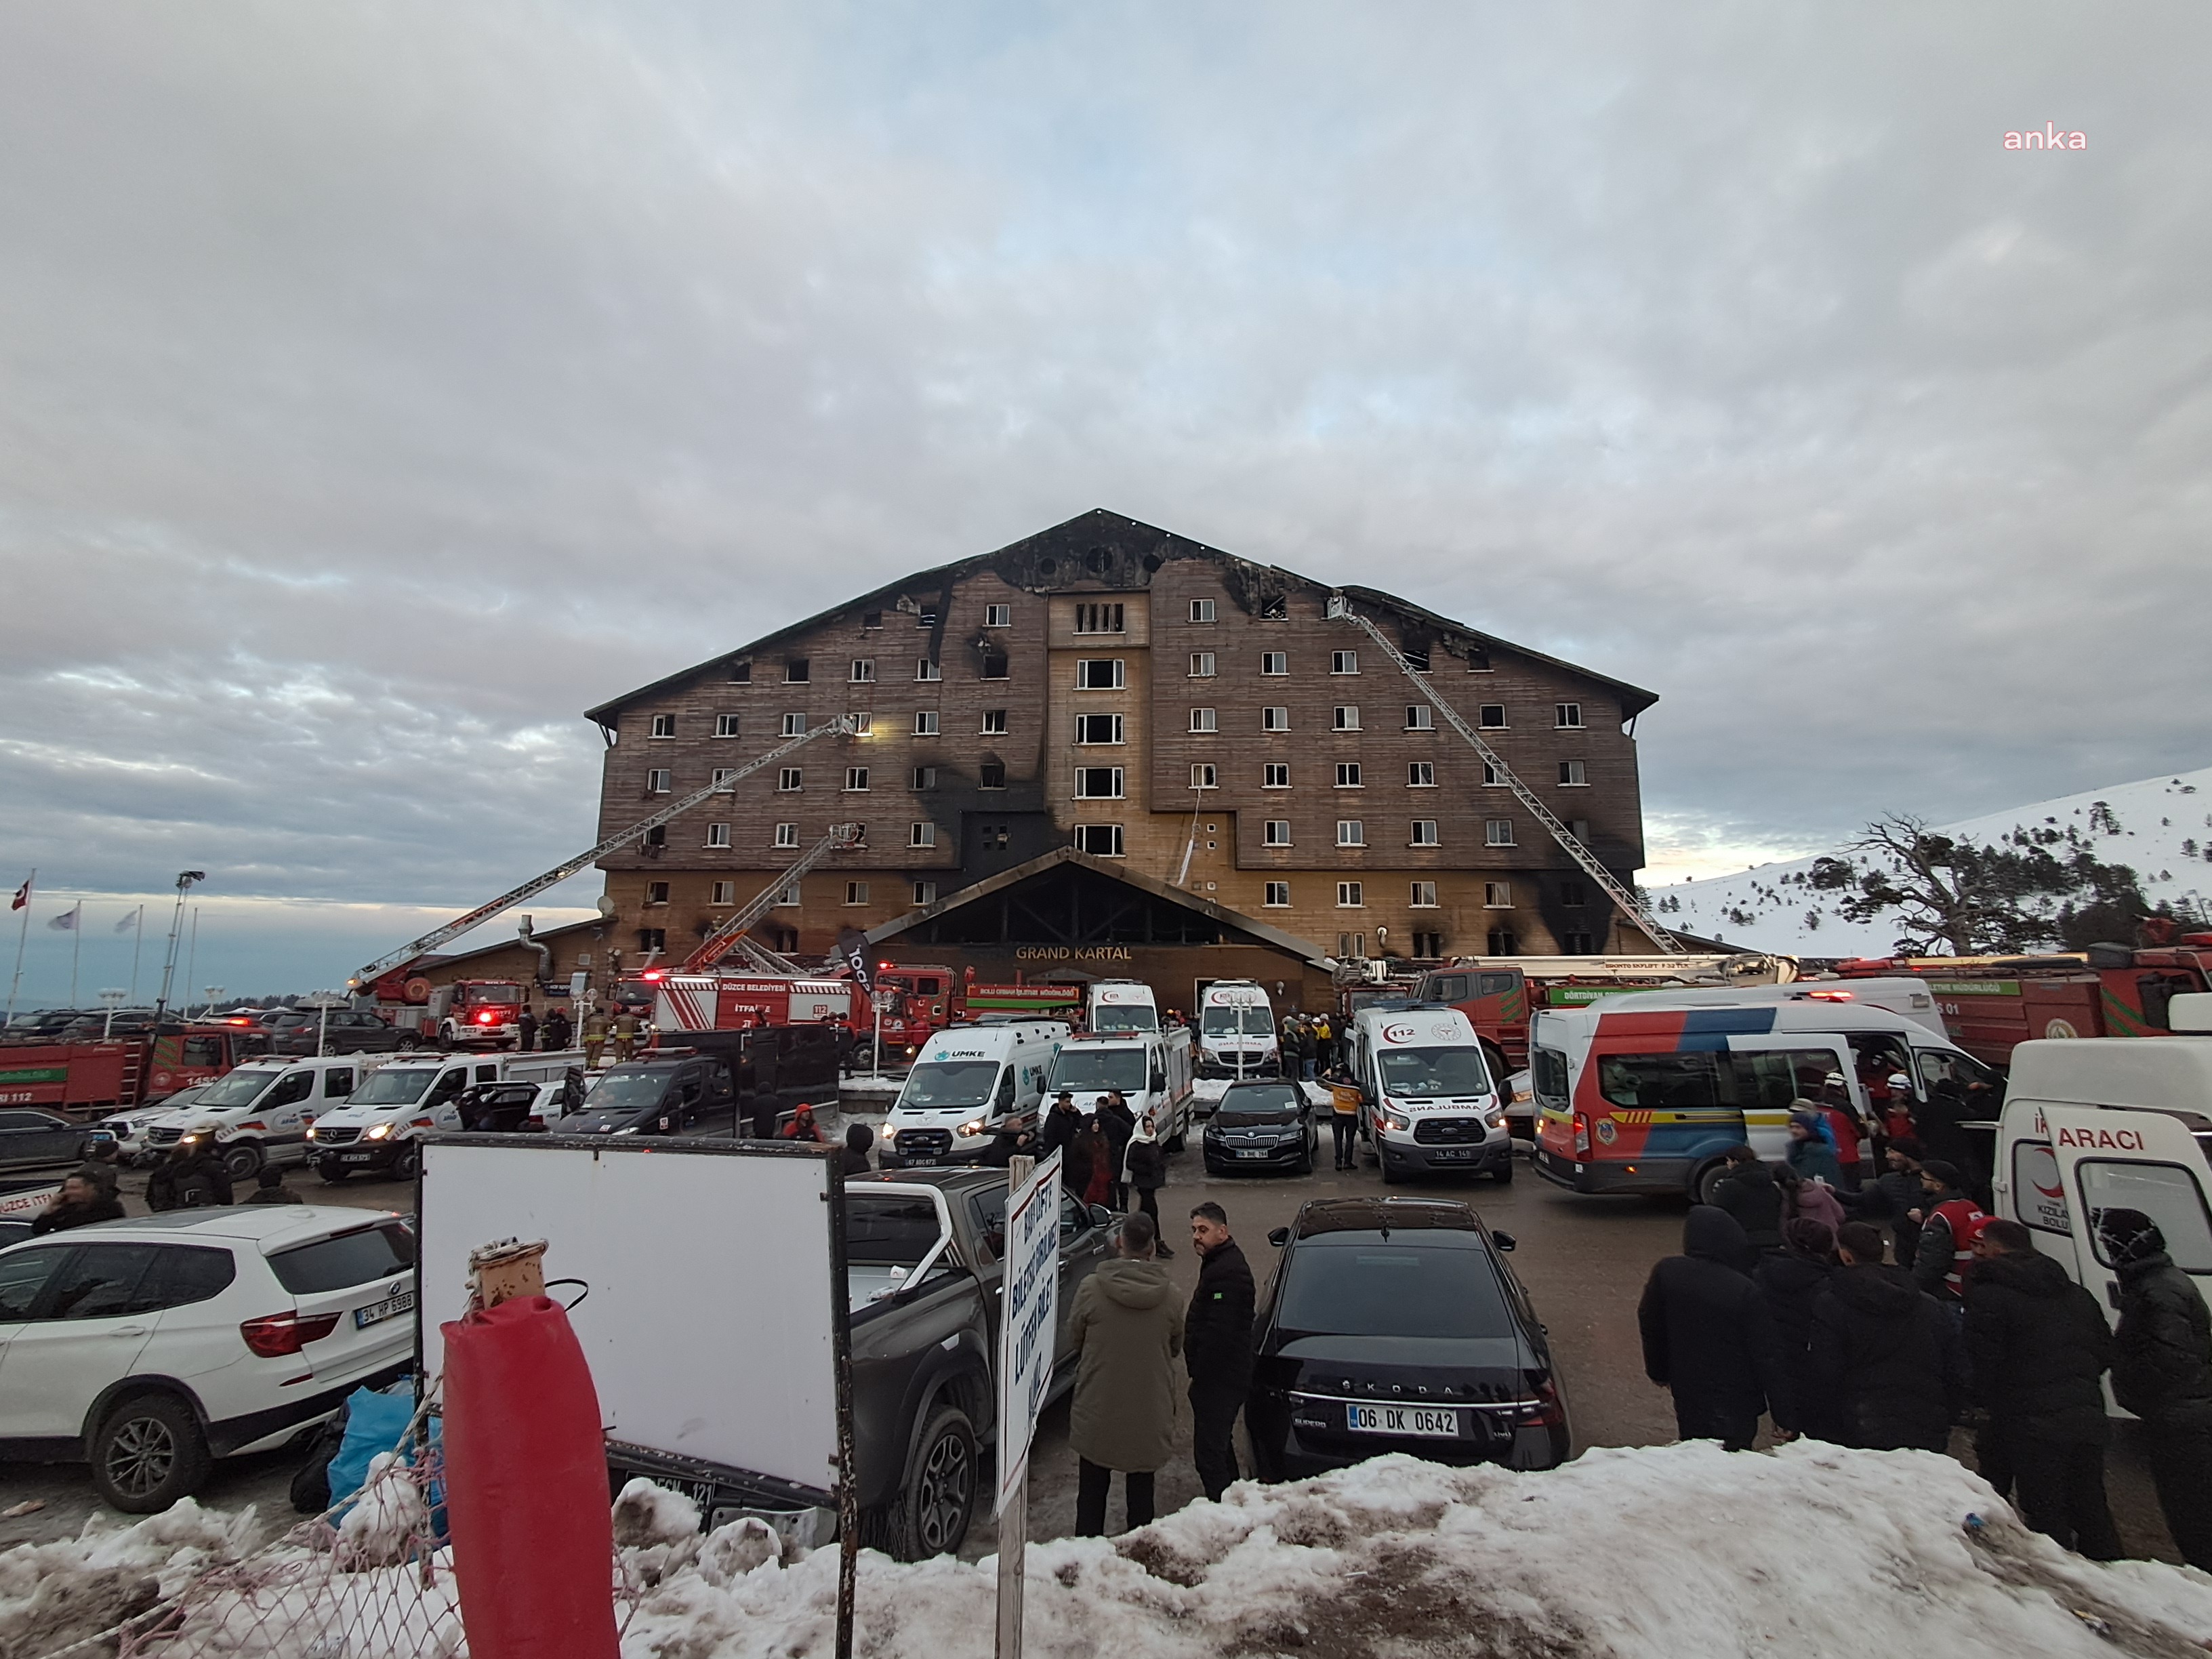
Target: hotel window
{"x":1573,"y":775}
{"x":925,"y":777}
{"x":1573,"y":894}
{"x":1420,"y":717}
{"x":1425,"y":896}
{"x":1099,"y":674}
{"x":1344,"y":662}
{"x":863,"y":725}
{"x":653,"y":940}
{"x":991,"y":774}
{"x":1274,"y":720}
{"x":926,"y":668}
{"x":1201,"y":665}
{"x":718,"y":835}
{"x":1498,"y":832}
{"x":926,"y":616}
{"x":925,"y":892}
{"x":1424,"y":832}
{"x":994,"y":666}
{"x":1204,"y":720}
{"x":794,"y":726}
{"x":1421,"y":774}
{"x":790,"y":778}
{"x":1347,"y":717}
{"x":1579,"y":828}
{"x":1276,"y":774}
{"x":725,"y":725}
{"x":1098,"y":728}
{"x":864,"y":670}
{"x":741,"y":673}
{"x":1497,"y":896}
{"x":787,"y":835}
{"x":1505,"y":942}
{"x":856,"y":777}
{"x":1278,"y":895}
{"x":1568,"y":715}
{"x":656,"y":780}
{"x":871,"y":619}
{"x":1098,"y":619}
{"x":1274,"y":608}
{"x":1101,"y":840}
{"x":655,"y":837}
{"x":1491,"y":715}
{"x":1428,"y":946}
{"x":796,"y":671}
{"x":1203,"y":776}
{"x":1277,"y":833}
{"x":1576,"y":945}
{"x":725,"y":779}
{"x":664,"y":725}
{"x":997,"y":615}
{"x":921,"y":835}
{"x":994,"y":722}
{"x":856,"y":892}
{"x":1350,"y":895}
{"x":1274,"y":662}
{"x":725,"y":892}
{"x":1416,"y":660}
{"x":1098,"y":783}
{"x":1201,"y":610}
{"x":1350,"y":832}
{"x":656,"y":892}
{"x":1491,"y":778}
{"x":925,"y":723}
{"x":790,"y":895}
{"x":1347,"y":776}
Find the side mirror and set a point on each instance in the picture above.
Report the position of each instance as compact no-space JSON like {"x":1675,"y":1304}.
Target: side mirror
{"x":1504,"y":1241}
{"x":1101,"y":1216}
{"x":1280,"y":1237}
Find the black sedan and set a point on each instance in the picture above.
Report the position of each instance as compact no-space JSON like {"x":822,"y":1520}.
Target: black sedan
{"x":31,"y":1140}
{"x":350,"y":1031}
{"x":1261,"y":1126}
{"x":1393,"y":1324}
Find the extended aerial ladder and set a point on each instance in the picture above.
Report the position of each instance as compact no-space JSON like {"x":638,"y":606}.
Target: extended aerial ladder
{"x":843,"y":724}
{"x":731,"y":935}
{"x":1340,"y":610}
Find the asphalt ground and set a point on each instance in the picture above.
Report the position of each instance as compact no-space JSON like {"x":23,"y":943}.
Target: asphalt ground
{"x":1584,"y":1261}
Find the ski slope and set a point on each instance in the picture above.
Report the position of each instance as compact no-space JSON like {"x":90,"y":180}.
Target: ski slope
{"x":2160,"y":828}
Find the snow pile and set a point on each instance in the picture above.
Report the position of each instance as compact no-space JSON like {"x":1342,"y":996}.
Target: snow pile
{"x":2160,"y":828}
{"x":51,"y":1595}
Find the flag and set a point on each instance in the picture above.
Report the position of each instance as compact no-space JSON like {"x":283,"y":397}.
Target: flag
{"x":853,"y":945}
{"x":66,"y":922}
{"x":23,"y":897}
{"x":130,"y":920}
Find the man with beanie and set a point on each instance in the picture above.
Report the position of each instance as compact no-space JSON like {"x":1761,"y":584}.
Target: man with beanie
{"x":2162,"y":1372}
{"x":1889,"y":1371}
{"x":1948,"y":1221}
{"x":1708,"y":1338}
{"x":1894,"y":1196}
{"x":1749,"y":1193}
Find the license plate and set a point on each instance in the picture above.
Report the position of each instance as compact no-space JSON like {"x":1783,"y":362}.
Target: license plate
{"x":919,"y":1163}
{"x":1457,"y":1155}
{"x":1424,"y":1421}
{"x":354,"y":1157}
{"x":1257,"y":1154}
{"x":376,"y":1312}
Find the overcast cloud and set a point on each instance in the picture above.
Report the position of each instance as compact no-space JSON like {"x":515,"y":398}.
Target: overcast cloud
{"x":382,"y":384}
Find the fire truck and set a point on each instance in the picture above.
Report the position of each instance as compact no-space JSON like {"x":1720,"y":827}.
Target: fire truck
{"x":102,"y":1077}
{"x":463,"y":1014}
{"x":1989,"y":1003}
{"x":1498,"y":994}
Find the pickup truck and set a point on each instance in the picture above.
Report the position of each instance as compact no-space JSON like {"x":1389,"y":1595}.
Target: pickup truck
{"x":922,"y":1284}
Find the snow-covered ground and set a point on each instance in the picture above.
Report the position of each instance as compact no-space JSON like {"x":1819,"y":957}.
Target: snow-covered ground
{"x":1650,"y":1553}
{"x":2160,"y":828}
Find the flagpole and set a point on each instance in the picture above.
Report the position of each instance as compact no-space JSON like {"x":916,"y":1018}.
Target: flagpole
{"x":137,"y":944}
{"x":76,"y":951}
{"x":22,"y":932}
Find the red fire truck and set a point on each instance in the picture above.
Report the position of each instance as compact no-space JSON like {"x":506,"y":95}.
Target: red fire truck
{"x":1990,"y":1003}
{"x":101,"y":1077}
{"x":465,"y":1014}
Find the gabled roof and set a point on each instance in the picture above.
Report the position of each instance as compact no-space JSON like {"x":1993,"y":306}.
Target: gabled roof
{"x":1057,"y":559}
{"x":1113,"y":870}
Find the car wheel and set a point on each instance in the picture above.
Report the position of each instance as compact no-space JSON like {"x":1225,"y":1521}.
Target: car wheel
{"x":1306,"y":1163}
{"x":930,"y":1516}
{"x":148,"y":1453}
{"x":241,"y":1160}
{"x":1503,"y":1175}
{"x":1706,"y":1182}
{"x":1389,"y":1172}
{"x":406,"y":1161}
{"x":409,"y":1042}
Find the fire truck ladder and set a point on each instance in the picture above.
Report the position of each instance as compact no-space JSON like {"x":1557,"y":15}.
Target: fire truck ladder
{"x":843,"y":724}
{"x":1340,"y":610}
{"x":731,"y":935}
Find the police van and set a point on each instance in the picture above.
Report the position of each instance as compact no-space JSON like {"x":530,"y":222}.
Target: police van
{"x":1151,"y":1069}
{"x":968,"y":1089}
{"x":1429,"y":1103}
{"x":379,"y":1128}
{"x":2099,"y":1123}
{"x":1646,"y":1093}
{"x":259,"y":1110}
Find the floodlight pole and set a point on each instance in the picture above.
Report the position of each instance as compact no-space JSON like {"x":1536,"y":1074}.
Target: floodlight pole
{"x":184,"y":880}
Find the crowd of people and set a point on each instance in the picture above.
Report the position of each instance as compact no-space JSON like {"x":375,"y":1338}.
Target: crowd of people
{"x":1311,"y":1044}
{"x":1108,"y":1155}
{"x":1885,"y":1309}
{"x":190,"y":1177}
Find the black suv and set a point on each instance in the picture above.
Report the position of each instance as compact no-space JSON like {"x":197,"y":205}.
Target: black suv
{"x":693,"y":1095}
{"x":1393,"y":1324}
{"x":1261,"y":1126}
{"x":350,"y":1031}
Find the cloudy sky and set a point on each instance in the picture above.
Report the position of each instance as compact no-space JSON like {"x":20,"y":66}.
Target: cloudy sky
{"x":382,"y":384}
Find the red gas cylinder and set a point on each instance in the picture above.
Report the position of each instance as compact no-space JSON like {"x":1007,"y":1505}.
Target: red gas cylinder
{"x":526,"y":1487}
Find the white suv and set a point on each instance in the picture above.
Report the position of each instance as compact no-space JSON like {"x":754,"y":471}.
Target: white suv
{"x":149,"y":1347}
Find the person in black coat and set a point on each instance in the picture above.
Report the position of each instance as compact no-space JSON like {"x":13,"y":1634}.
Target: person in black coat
{"x":1792,"y":1281}
{"x":860,"y":1140}
{"x":1217,"y":1347}
{"x":556,"y":1031}
{"x":80,"y":1203}
{"x":1120,"y":1123}
{"x":191,"y":1178}
{"x":1893,"y":1196}
{"x":1889,"y":1371}
{"x":1938,"y":1118}
{"x":2037,"y":1347}
{"x":1708,"y":1338}
{"x":1749,"y":1193}
{"x":2162,"y":1372}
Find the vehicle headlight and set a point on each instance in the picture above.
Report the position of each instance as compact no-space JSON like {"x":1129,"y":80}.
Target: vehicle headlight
{"x":973,"y":1125}
{"x":376,"y":1131}
{"x":890,"y":1134}
{"x":1496,"y":1119}
{"x":1396,"y":1123}
{"x":311,"y":1132}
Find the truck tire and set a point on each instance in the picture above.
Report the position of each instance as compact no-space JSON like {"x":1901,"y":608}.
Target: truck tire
{"x":242,"y":1160}
{"x":147,"y":1453}
{"x":1707,"y":1179}
{"x":406,"y":1161}
{"x":930,"y":1515}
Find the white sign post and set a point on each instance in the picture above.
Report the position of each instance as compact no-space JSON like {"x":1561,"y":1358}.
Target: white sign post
{"x":1028,"y":1333}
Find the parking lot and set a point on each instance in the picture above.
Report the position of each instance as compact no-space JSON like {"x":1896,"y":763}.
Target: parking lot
{"x":1583,"y":1260}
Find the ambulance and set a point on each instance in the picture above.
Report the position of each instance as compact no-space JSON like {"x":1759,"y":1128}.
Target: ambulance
{"x":1645,"y":1093}
{"x":968,"y":1092}
{"x":1429,"y":1102}
{"x":1151,"y":1069}
{"x":1121,"y":1005}
{"x":1236,"y":1035}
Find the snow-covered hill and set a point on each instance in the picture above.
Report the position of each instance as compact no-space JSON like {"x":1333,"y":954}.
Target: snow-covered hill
{"x":2160,"y":828}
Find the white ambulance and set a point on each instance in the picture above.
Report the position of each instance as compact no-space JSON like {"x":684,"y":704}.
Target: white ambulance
{"x":1152,"y":1070}
{"x":969,"y":1087}
{"x":1429,"y":1103}
{"x":259,"y":1110}
{"x":379,"y":1128}
{"x":1237,"y":1034}
{"x":1121,"y":1005}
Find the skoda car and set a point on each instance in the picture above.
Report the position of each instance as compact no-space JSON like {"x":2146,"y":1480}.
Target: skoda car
{"x":1261,"y":1126}
{"x":1393,"y":1324}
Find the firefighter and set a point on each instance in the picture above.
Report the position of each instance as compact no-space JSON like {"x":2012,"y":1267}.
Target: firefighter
{"x":625,"y":1030}
{"x":594,"y":1036}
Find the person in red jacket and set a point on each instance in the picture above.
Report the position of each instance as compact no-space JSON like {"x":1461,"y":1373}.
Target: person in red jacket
{"x":1844,"y":1126}
{"x":803,"y":1126}
{"x":1950,"y":1222}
